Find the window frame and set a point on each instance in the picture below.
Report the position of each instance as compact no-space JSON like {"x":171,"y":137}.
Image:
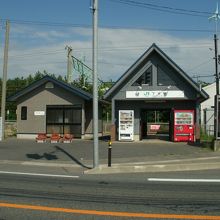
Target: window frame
{"x":149,"y":71}
{"x":64,"y":123}
{"x":161,"y":83}
{"x":23,"y":113}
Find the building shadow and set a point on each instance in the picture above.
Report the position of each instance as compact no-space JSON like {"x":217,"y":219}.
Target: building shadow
{"x":71,"y":157}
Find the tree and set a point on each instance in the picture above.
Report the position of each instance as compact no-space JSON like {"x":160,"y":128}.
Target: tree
{"x":203,"y":84}
{"x":83,"y":83}
{"x":18,"y":83}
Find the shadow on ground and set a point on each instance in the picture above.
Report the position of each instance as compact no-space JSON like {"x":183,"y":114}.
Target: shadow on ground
{"x":72,"y":157}
{"x":47,"y":156}
{"x":52,"y":156}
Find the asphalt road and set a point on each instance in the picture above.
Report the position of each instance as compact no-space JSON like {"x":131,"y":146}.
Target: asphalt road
{"x":29,"y":197}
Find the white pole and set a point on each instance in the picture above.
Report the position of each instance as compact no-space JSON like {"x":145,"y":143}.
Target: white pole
{"x":95,"y":85}
{"x":4,"y":79}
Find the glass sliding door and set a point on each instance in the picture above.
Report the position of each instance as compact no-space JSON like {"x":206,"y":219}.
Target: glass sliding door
{"x":64,"y":119}
{"x":72,"y":121}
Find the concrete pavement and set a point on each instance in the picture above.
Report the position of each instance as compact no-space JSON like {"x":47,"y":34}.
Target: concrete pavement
{"x":144,"y":156}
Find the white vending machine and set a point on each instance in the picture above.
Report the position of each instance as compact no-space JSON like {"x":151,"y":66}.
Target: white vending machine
{"x":126,"y":125}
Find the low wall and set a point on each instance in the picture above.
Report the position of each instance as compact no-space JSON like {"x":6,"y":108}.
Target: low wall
{"x":10,"y":128}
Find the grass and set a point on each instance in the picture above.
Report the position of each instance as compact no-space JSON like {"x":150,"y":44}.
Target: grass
{"x":206,"y":137}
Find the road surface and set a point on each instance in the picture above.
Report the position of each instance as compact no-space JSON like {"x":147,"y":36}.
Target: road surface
{"x":129,"y":196}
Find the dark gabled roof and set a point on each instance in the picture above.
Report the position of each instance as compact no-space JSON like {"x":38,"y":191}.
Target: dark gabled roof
{"x":76,"y":91}
{"x":154,"y":48}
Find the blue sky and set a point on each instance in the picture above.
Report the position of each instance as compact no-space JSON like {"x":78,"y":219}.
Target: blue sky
{"x":41,"y":29}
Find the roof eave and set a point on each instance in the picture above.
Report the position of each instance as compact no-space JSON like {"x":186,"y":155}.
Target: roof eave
{"x":45,"y":79}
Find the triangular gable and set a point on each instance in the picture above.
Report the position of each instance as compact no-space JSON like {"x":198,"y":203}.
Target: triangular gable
{"x":144,"y":78}
{"x":45,"y":79}
{"x":154,"y":48}
{"x":163,"y":78}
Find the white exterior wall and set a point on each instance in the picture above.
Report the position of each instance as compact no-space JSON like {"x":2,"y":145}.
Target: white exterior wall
{"x":208,"y":107}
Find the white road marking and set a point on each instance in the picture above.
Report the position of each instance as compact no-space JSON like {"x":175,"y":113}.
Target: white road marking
{"x":184,"y":180}
{"x":38,"y":174}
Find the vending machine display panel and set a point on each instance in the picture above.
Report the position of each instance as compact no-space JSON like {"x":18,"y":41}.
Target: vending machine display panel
{"x":126,"y":125}
{"x":184,"y":128}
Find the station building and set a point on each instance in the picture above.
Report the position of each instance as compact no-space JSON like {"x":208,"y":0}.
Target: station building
{"x":155,"y":98}
{"x":52,"y":106}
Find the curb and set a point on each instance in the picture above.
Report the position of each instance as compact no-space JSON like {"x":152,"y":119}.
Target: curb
{"x":40,"y":163}
{"x":115,"y":169}
{"x":203,"y":163}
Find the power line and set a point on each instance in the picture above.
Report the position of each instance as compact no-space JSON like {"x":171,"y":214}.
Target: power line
{"x":46,"y":63}
{"x":43,"y":23}
{"x":83,"y":67}
{"x":36,"y":54}
{"x":194,"y":46}
{"x":157,"y":29}
{"x":202,"y":76}
{"x":108,"y":49}
{"x":163,"y":8}
{"x":199,"y":65}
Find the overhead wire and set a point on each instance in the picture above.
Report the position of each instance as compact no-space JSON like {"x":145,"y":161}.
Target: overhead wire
{"x":36,"y":54}
{"x":201,"y":64}
{"x":43,"y":23}
{"x":131,"y":2}
{"x":202,"y":76}
{"x":163,"y":8}
{"x":108,"y":49}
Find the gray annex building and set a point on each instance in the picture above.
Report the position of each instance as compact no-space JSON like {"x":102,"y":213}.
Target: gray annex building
{"x":52,"y":106}
{"x":155,"y":98}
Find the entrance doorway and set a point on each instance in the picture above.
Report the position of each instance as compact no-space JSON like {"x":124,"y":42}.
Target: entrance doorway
{"x":155,"y":124}
{"x":64,"y":119}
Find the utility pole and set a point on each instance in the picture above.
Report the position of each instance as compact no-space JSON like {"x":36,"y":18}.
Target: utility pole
{"x":95,"y":84}
{"x":69,"y":63}
{"x":216,"y":17}
{"x":217,"y":88}
{"x":216,"y":64}
{"x":4,"y":79}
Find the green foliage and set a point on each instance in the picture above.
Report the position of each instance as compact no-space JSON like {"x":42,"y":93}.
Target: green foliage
{"x":103,"y":87}
{"x":83,"y":83}
{"x":205,"y":137}
{"x":18,"y":83}
{"x":203,"y":84}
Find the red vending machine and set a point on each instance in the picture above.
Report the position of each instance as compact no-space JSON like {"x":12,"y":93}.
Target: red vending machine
{"x":184,"y":129}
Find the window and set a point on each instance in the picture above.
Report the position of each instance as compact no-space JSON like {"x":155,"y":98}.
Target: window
{"x":23,"y":112}
{"x":163,"y":79}
{"x":145,"y":78}
{"x":49,"y":85}
{"x":64,"y":119}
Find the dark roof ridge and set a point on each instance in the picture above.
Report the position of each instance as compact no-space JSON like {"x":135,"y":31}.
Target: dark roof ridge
{"x":152,"y":48}
{"x":34,"y":85}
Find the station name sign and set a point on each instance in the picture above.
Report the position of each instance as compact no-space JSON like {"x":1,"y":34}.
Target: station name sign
{"x":155,"y":94}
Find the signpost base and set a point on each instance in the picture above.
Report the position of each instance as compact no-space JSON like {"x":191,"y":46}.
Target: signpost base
{"x":216,"y":145}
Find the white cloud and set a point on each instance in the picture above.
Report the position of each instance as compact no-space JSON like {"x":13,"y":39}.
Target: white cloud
{"x":125,"y":47}
{"x":118,"y":49}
